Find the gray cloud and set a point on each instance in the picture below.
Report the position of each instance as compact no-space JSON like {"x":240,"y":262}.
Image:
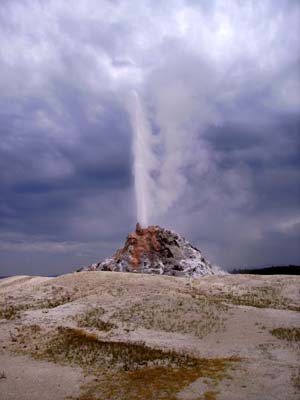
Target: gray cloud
{"x":219,"y":81}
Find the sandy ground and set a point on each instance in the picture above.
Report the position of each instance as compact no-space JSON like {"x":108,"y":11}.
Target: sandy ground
{"x":26,"y":378}
{"x":215,"y":317}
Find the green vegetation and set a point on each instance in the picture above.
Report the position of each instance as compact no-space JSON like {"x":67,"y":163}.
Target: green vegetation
{"x":86,"y":349}
{"x":260,"y":297}
{"x":9,"y":311}
{"x":296,"y":379}
{"x":51,"y":298}
{"x":54,"y":302}
{"x":91,"y":319}
{"x":274,"y":270}
{"x":290,"y":334}
{"x":195,"y":315}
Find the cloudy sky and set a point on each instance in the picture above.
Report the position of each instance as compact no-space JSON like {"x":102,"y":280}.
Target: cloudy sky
{"x":218,"y":81}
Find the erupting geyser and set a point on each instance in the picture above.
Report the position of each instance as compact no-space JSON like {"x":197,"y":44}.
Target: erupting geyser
{"x":151,"y":249}
{"x":142,"y":158}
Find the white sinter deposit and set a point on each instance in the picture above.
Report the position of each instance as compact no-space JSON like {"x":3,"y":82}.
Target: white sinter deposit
{"x":159,"y":251}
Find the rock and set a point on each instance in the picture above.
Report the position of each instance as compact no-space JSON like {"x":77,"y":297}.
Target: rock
{"x":155,"y":250}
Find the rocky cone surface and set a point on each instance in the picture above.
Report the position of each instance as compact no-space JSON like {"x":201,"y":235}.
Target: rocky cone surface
{"x":157,"y":251}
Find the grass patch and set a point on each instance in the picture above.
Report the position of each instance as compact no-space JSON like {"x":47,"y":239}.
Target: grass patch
{"x":296,"y":379}
{"x":91,"y":319}
{"x":86,"y":349}
{"x":11,"y":308}
{"x":260,"y":297}
{"x":11,"y":312}
{"x":26,"y":337}
{"x":290,"y":334}
{"x":195,"y":315}
{"x":54,"y":302}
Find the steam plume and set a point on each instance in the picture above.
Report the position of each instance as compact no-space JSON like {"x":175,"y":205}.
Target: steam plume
{"x":144,"y":160}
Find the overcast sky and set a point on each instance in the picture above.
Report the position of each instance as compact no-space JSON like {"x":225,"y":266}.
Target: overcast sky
{"x":219,"y":83}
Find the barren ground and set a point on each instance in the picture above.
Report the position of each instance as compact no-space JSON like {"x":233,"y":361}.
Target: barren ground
{"x":117,"y":336}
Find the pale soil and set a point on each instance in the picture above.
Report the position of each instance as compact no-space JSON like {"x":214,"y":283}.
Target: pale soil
{"x":214,"y":317}
{"x":35,"y":380}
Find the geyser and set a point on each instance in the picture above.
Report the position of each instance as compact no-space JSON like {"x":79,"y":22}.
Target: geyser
{"x":161,"y":159}
{"x":142,"y":158}
{"x":155,"y":250}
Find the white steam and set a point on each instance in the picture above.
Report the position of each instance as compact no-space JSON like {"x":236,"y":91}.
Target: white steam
{"x":159,"y":176}
{"x":160,"y":160}
{"x":144,"y":160}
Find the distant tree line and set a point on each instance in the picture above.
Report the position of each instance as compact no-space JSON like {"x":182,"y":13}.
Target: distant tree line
{"x":274,"y":270}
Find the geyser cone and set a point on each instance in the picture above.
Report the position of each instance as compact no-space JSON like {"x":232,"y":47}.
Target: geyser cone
{"x":159,"y":251}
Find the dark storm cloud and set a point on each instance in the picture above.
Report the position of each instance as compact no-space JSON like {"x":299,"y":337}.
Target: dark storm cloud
{"x":220,"y":83}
